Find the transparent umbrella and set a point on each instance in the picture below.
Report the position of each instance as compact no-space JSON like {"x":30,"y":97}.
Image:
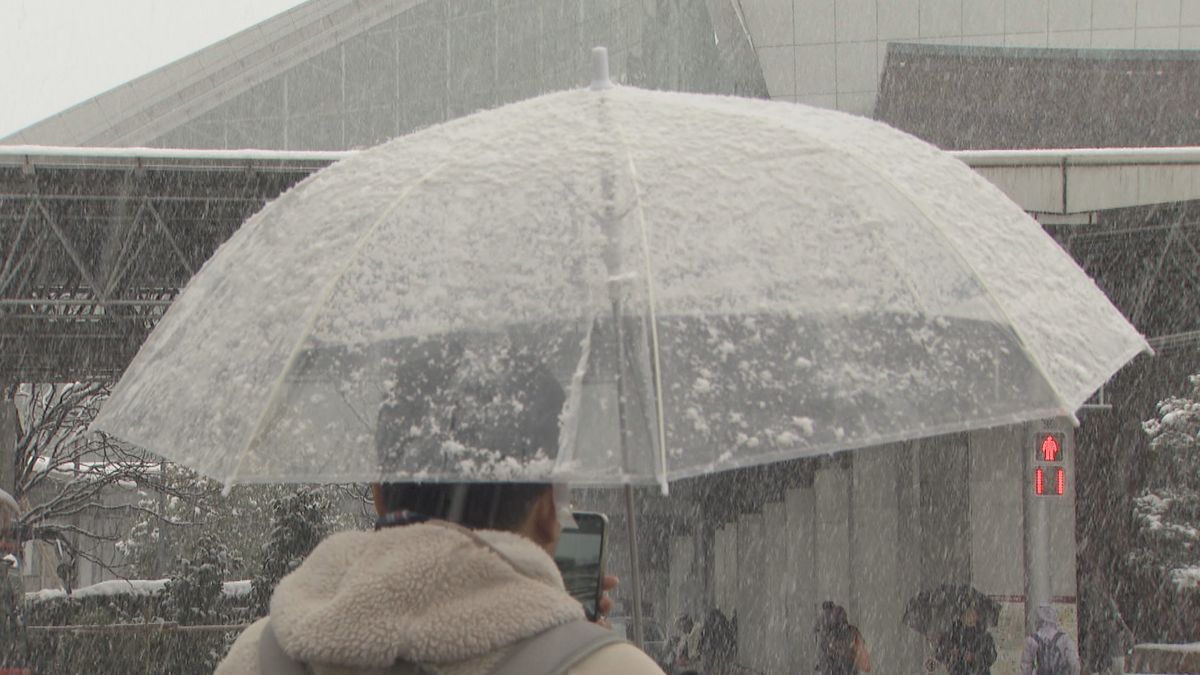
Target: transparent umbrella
{"x":715,"y":282}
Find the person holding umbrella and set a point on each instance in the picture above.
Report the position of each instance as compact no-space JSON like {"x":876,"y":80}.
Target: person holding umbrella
{"x":967,"y":648}
{"x":457,"y":576}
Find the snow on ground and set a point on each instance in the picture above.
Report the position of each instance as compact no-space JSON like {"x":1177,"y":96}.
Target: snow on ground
{"x":234,"y":589}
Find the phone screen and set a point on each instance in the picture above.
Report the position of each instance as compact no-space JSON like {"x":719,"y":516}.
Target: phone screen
{"x":580,"y":558}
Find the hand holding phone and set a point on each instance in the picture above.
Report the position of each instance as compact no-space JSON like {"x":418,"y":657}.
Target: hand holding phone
{"x":580,"y":559}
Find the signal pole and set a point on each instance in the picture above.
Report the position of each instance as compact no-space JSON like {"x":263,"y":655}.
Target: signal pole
{"x":1045,"y":483}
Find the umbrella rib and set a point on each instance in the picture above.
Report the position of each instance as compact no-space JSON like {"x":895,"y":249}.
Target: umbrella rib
{"x":641,"y":212}
{"x":875,"y":169}
{"x":273,"y":400}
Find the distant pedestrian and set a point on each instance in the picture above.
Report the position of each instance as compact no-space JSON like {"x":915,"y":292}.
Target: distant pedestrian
{"x":841,"y":649}
{"x":1104,"y":637}
{"x":718,"y":643}
{"x":685,"y":647}
{"x":1049,"y":651}
{"x":967,"y":648}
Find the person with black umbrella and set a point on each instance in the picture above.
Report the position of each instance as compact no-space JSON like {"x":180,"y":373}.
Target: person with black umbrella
{"x":967,"y":648}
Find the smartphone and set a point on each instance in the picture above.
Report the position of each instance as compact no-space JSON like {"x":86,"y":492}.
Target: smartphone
{"x":580,"y":558}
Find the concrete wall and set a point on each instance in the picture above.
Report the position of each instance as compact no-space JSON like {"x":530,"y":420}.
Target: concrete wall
{"x":944,"y":510}
{"x":997,"y":481}
{"x":873,"y":529}
{"x":725,"y":569}
{"x":754,"y":596}
{"x":776,"y":574}
{"x":881,"y":587}
{"x":800,"y":588}
{"x":685,"y":594}
{"x":832,"y":554}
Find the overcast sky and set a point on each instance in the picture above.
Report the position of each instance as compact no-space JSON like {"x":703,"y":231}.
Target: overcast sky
{"x":56,"y":53}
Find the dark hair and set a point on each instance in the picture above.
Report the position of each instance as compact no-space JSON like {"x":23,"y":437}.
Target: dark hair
{"x":491,"y":399}
{"x":493,"y":506}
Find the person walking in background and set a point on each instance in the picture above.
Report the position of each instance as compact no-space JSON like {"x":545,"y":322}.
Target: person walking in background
{"x":967,"y":648}
{"x":841,"y":649}
{"x":1049,"y":651}
{"x":718,"y":643}
{"x":685,"y":649}
{"x":1104,"y":637}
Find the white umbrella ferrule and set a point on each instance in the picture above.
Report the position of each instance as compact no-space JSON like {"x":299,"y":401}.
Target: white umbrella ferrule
{"x":600,"y":69}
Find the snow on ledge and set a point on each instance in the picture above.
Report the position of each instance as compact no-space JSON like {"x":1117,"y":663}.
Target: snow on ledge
{"x":172,"y":153}
{"x":230,"y":589}
{"x":1189,"y":648}
{"x":982,"y":157}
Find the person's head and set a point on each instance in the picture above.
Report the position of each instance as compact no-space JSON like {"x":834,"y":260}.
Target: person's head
{"x":528,"y":509}
{"x":832,"y":614}
{"x":1046,"y":615}
{"x":453,"y":405}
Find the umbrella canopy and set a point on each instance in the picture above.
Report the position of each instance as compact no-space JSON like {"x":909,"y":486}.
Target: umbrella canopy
{"x":714,"y":283}
{"x":932,"y":612}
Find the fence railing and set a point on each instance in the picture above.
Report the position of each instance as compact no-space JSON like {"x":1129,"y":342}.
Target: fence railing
{"x":156,"y":627}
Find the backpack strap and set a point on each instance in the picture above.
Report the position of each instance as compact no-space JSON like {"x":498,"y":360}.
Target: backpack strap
{"x":272,"y":660}
{"x":554,"y":651}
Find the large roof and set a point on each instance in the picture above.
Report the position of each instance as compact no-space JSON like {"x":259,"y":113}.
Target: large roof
{"x":141,"y":109}
{"x":999,"y":98}
{"x":341,"y":74}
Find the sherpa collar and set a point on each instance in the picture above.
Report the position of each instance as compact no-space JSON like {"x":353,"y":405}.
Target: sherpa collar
{"x":428,"y":593}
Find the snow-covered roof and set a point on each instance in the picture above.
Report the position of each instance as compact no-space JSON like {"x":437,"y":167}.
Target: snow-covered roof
{"x":1015,"y":97}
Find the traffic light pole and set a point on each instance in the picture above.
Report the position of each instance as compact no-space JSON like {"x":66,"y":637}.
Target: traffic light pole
{"x":1037,"y":541}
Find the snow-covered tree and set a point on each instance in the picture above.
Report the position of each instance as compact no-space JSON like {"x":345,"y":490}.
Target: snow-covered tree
{"x":1166,"y":555}
{"x":1168,"y":512}
{"x":190,"y":508}
{"x":193,"y":508}
{"x":60,"y":471}
{"x":192,"y":593}
{"x":299,"y":521}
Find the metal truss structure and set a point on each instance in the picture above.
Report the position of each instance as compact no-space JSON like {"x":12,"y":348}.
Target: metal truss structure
{"x":94,"y":247}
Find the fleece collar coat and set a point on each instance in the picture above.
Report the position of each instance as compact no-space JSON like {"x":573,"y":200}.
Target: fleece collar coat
{"x":450,"y":599}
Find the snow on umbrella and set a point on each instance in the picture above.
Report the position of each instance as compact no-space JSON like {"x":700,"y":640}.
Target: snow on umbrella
{"x":786,"y":281}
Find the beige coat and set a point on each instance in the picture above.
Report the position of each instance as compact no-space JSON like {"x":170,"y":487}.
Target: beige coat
{"x":452,"y":600}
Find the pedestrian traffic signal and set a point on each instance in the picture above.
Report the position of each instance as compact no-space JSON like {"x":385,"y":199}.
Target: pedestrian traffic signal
{"x":1049,"y":447}
{"x":1049,"y":470}
{"x":1058,"y":486}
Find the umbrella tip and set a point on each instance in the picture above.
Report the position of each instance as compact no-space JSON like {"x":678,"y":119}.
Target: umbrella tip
{"x":600,"y":69}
